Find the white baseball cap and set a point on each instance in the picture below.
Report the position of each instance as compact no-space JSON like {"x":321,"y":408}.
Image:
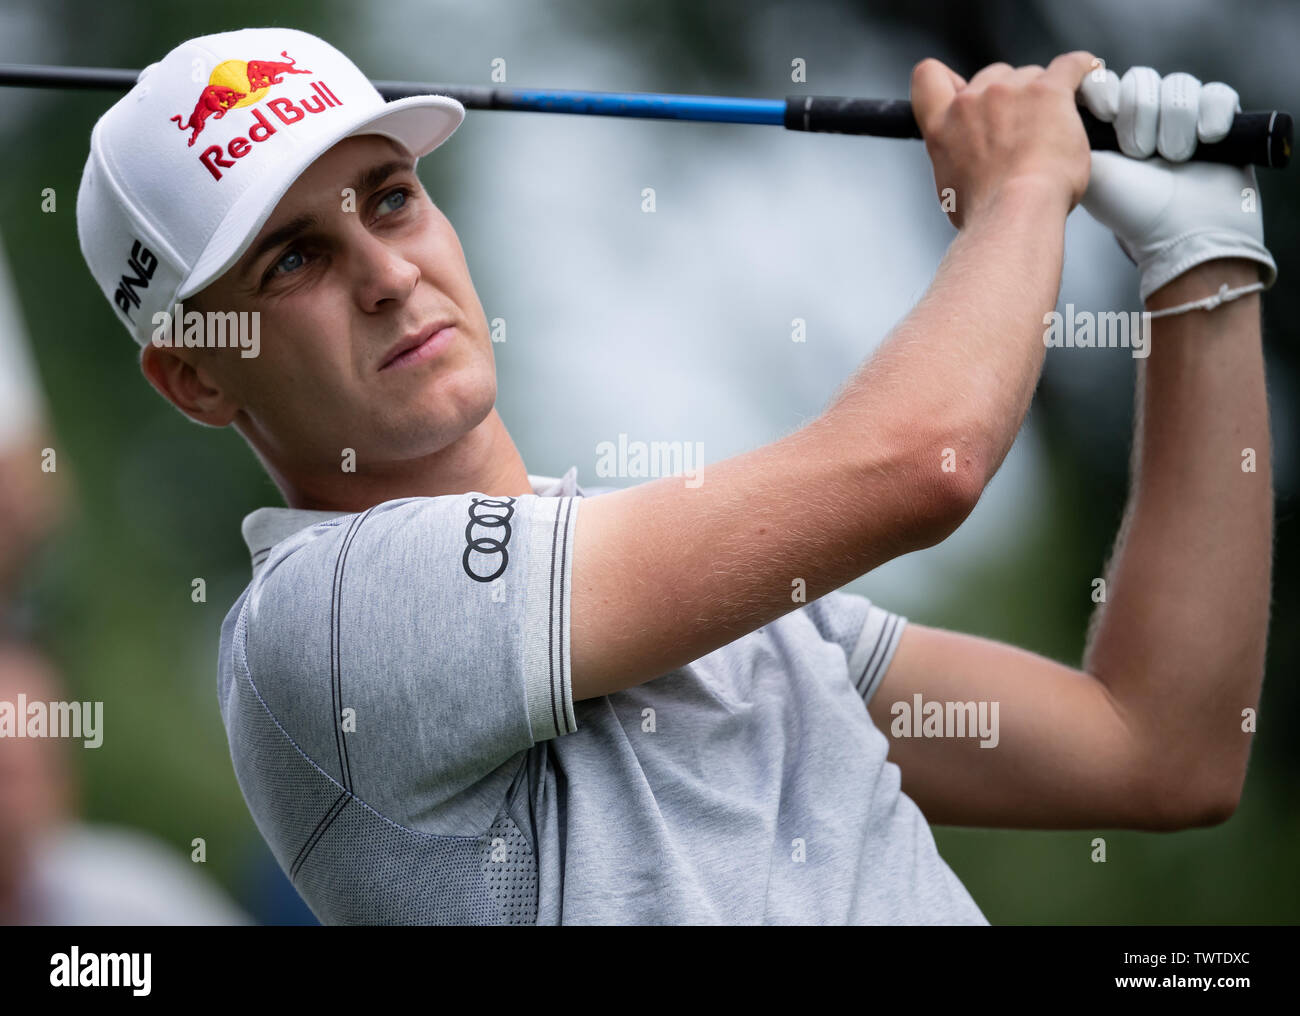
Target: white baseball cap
{"x":185,"y":169}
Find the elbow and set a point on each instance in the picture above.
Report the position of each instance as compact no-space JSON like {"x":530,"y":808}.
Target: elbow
{"x":1215,"y":806}
{"x":949,"y":478}
{"x":1221,"y":810}
{"x":1196,"y":804}
{"x":1211,"y":811}
{"x":924,"y":476}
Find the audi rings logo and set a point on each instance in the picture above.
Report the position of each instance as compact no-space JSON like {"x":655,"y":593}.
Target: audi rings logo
{"x":487,"y":513}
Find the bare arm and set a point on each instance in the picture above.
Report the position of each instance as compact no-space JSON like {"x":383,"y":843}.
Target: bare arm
{"x":1180,"y":641}
{"x":1148,"y":734}
{"x":664,"y":574}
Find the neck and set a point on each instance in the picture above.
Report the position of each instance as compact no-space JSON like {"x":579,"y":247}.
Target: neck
{"x":484,"y":459}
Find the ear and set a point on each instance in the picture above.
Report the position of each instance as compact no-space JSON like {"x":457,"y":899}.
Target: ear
{"x":189,"y":386}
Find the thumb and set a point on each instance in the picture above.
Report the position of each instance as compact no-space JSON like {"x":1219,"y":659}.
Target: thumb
{"x":1106,"y":178}
{"x":1125,"y":194}
{"x":1104,"y":198}
{"x":933,"y":86}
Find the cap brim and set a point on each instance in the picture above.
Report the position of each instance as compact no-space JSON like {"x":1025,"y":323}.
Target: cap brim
{"x":420,"y":122}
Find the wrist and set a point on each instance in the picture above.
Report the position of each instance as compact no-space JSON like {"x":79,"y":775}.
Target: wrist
{"x":1036,"y":198}
{"x":1205,"y":280}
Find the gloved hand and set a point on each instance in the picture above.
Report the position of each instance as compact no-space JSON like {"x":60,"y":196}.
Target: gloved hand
{"x":1169,"y":214}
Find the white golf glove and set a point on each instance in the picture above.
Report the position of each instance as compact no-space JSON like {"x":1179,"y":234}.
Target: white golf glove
{"x":1169,"y":216}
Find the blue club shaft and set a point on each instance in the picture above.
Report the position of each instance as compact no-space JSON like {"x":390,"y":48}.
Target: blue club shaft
{"x":1261,"y":139}
{"x":647,"y":105}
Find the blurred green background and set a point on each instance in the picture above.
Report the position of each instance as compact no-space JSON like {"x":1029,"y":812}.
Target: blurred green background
{"x":159,"y":500}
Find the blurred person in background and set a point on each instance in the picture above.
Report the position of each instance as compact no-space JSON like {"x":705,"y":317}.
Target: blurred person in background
{"x":55,"y":869}
{"x":30,"y":497}
{"x":58,"y":870}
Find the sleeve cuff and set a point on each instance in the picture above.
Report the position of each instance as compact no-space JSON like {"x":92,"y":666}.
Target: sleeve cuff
{"x":548,"y":677}
{"x":875,"y":648}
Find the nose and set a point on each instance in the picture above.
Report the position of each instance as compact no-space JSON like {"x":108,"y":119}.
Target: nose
{"x":381,"y":272}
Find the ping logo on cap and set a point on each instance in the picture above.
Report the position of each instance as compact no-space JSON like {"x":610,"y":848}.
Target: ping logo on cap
{"x":234,"y":84}
{"x":143,"y":263}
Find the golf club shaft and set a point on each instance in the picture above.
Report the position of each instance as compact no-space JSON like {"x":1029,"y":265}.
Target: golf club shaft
{"x":1260,"y":139}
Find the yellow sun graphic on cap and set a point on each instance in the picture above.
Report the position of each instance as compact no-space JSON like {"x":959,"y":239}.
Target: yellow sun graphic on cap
{"x":234,"y":74}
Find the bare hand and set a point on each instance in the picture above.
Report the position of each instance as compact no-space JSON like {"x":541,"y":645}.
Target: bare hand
{"x":1008,"y":128}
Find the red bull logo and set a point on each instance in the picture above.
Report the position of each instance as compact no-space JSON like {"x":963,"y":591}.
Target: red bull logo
{"x":214,"y":100}
{"x":265,"y":73}
{"x":236,"y":84}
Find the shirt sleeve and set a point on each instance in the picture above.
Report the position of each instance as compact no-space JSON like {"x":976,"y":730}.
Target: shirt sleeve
{"x":868,"y":634}
{"x":413,"y":649}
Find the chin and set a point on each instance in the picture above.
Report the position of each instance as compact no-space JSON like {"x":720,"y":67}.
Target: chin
{"x":441,"y":420}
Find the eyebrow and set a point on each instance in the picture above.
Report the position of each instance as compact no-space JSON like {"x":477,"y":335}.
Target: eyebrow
{"x":363,"y":183}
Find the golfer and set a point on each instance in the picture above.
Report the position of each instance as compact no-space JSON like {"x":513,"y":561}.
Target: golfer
{"x":460,"y":692}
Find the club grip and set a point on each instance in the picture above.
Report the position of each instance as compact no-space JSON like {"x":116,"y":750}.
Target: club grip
{"x":1258,"y":139}
{"x":838,"y":114}
{"x":1254,"y":139}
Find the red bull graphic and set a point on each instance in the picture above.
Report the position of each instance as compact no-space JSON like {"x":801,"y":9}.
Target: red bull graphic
{"x":235,"y":84}
{"x":214,"y":100}
{"x":265,"y":73}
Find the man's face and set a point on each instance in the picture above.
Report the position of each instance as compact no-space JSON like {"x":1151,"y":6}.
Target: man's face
{"x":343,"y":282}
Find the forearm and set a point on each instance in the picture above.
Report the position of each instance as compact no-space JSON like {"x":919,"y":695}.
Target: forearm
{"x":960,"y":370}
{"x":1180,"y":640}
{"x":858,"y":486}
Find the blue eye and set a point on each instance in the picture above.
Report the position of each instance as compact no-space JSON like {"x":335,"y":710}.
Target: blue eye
{"x":278,"y":264}
{"x":400,"y":193}
{"x":393,"y":202}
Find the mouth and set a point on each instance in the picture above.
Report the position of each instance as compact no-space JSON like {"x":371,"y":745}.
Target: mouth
{"x":418,"y":346}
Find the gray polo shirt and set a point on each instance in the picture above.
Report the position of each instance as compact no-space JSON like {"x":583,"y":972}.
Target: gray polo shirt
{"x":395,"y":686}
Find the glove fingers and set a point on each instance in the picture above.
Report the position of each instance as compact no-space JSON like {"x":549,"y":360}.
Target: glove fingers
{"x":1170,"y":214}
{"x":1219,"y":103}
{"x":1139,"y":112}
{"x":1100,"y":94}
{"x":1179,"y":110}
